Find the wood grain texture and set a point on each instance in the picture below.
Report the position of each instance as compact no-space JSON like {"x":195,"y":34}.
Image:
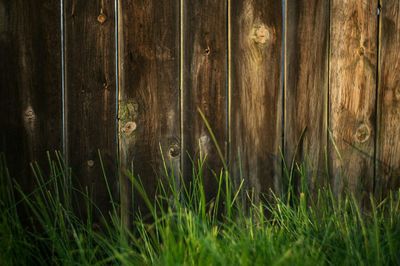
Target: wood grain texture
{"x":352,"y":95}
{"x":256,"y":101}
{"x":30,"y":84}
{"x":306,"y":88}
{"x":90,"y":95}
{"x":149,"y":115}
{"x":204,"y":87}
{"x":388,"y":151}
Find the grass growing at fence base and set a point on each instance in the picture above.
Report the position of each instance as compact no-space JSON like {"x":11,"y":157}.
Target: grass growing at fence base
{"x":185,"y":229}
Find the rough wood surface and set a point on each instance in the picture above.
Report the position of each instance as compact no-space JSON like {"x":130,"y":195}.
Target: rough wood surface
{"x":256,"y":102}
{"x":226,"y":56}
{"x":149,"y":115}
{"x":388,"y":151}
{"x":30,"y":84}
{"x":306,"y":87}
{"x":352,"y":94}
{"x":90,"y":94}
{"x":204,"y":86}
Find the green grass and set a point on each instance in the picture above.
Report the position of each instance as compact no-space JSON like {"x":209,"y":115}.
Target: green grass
{"x":185,"y":229}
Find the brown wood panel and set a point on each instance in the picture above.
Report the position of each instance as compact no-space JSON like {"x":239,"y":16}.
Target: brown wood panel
{"x":149,"y":92}
{"x":90,"y":94}
{"x":388,"y":151}
{"x":306,"y":88}
{"x":352,"y":94}
{"x":204,"y":87}
{"x":256,"y":95}
{"x":30,"y":84}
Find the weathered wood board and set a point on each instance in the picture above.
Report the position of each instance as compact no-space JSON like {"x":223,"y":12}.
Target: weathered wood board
{"x":256,"y":92}
{"x":352,"y":94}
{"x":90,"y":95}
{"x":149,"y":117}
{"x":388,"y":144}
{"x":306,"y":89}
{"x":204,"y":73}
{"x":30,"y":84}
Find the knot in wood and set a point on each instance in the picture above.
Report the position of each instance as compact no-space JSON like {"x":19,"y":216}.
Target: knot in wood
{"x":174,"y":150}
{"x":204,"y":139}
{"x":261,"y":34}
{"x":363,"y":133}
{"x":90,"y":163}
{"x":29,"y":114}
{"x":101,"y":18}
{"x":129,"y":128}
{"x":207,"y":51}
{"x":361,"y":51}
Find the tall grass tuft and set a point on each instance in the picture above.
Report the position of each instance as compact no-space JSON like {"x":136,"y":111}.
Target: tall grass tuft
{"x":186,"y":229}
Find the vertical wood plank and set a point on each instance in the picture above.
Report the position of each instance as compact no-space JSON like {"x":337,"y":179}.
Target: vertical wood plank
{"x":149,"y":93}
{"x":306,"y":87}
{"x":90,"y":94}
{"x":256,"y":101}
{"x":204,"y":87}
{"x":30,"y":84}
{"x":352,"y":94}
{"x":388,"y":151}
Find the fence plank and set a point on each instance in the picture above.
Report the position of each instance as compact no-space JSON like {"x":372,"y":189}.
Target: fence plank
{"x":352,"y":93}
{"x":90,"y":94}
{"x":306,"y":87}
{"x":388,"y":152}
{"x":30,"y":84}
{"x":204,"y":86}
{"x":256,"y":100}
{"x":149,"y":91}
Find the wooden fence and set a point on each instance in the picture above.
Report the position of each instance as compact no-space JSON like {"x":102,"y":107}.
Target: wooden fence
{"x":315,"y":80}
